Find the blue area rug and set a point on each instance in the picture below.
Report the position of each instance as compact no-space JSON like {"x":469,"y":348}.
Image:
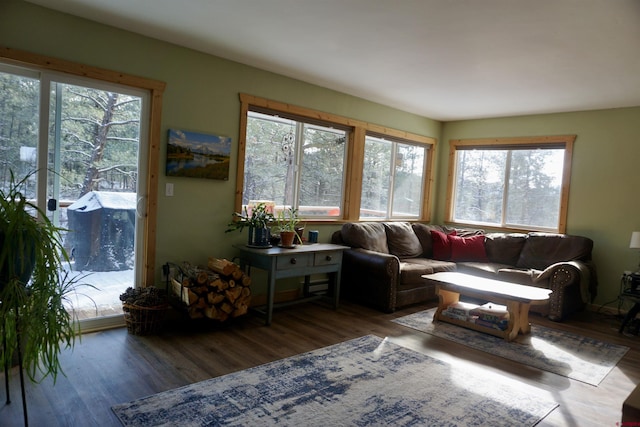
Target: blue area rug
{"x":361,"y":382}
{"x":573,"y":356}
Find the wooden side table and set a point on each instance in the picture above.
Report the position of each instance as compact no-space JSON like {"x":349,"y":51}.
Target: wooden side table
{"x":301,"y":261}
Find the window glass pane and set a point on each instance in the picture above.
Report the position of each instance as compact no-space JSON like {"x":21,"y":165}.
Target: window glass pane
{"x":479,"y":185}
{"x":535,"y":181}
{"x":19,"y":97}
{"x":408,"y":180}
{"x":269,"y":159}
{"x":322,"y":171}
{"x":376,"y":178}
{"x":291,"y":163}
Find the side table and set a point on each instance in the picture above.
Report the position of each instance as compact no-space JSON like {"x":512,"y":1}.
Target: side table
{"x":300,"y":261}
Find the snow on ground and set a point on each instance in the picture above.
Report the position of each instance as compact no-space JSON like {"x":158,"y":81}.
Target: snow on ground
{"x":103,"y":299}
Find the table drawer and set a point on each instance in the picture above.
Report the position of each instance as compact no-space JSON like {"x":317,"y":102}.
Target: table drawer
{"x":286,"y":262}
{"x":327,"y":258}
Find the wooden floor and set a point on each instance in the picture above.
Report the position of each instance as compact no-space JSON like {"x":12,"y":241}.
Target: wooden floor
{"x":111,"y":367}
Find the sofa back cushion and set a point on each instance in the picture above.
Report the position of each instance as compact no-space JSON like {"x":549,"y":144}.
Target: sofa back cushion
{"x":366,"y":235}
{"x":543,"y":249}
{"x":423,"y":232}
{"x":505,"y":248}
{"x":401,"y":240}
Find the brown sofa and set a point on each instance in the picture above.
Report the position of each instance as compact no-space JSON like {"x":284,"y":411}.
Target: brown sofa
{"x":384,"y":266}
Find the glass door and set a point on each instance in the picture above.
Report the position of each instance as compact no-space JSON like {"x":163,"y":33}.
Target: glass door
{"x":84,"y":156}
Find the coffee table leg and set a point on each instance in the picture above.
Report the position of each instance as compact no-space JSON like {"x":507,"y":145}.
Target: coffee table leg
{"x":525,"y":326}
{"x":518,"y":320}
{"x":514,"y":320}
{"x":445,"y":299}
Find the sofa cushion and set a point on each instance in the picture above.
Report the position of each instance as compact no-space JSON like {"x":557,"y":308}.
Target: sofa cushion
{"x":505,"y":248}
{"x":423,"y":232}
{"x":468,"y":248}
{"x":544,"y":249}
{"x":441,"y":245}
{"x":523,"y":276}
{"x":482,"y":269}
{"x":402,"y":241}
{"x":412,"y":269}
{"x":451,"y":247}
{"x":463,"y":232}
{"x":366,"y":235}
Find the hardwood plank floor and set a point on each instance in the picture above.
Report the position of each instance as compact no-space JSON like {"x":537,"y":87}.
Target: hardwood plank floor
{"x":110,"y":367}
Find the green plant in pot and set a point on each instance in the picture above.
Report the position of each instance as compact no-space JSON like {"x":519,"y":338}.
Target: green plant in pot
{"x":288,"y":220}
{"x":33,"y":289}
{"x":258,"y":220}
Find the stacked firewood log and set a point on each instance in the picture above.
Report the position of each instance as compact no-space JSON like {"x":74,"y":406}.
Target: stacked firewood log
{"x":220,"y":291}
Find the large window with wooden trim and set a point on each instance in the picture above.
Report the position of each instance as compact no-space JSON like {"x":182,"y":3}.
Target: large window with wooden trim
{"x":513,"y":183}
{"x":292,"y":162}
{"x":392,"y":178}
{"x":329,"y":167}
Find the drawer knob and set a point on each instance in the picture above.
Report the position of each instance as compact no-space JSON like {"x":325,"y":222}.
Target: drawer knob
{"x":293,"y":261}
{"x":328,"y":257}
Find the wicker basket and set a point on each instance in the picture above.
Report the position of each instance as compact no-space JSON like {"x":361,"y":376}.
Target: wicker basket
{"x":144,"y":320}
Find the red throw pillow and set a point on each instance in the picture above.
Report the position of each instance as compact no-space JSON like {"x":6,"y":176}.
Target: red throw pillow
{"x":468,"y":248}
{"x":441,"y":245}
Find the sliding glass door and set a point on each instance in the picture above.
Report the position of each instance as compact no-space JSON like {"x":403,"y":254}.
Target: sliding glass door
{"x":79,"y":141}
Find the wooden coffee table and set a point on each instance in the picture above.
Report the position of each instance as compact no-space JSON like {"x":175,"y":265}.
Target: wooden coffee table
{"x":517,"y":299}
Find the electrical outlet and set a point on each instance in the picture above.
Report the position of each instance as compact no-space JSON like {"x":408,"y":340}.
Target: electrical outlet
{"x":168,"y":189}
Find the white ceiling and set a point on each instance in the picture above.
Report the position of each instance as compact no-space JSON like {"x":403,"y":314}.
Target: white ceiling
{"x":443,"y":59}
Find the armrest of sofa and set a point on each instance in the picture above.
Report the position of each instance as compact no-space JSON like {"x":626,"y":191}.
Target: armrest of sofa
{"x":563,"y":274}
{"x":370,"y":277}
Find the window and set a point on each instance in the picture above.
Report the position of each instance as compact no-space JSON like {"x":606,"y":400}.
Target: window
{"x":294,"y":164}
{"x":511,"y":183}
{"x":392,"y":179}
{"x":329,"y":167}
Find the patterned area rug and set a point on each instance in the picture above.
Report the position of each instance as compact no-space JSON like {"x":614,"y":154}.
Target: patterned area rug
{"x":573,"y":356}
{"x":365,"y":381}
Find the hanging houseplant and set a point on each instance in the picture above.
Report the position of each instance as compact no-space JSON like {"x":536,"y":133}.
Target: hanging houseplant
{"x":34,"y":287}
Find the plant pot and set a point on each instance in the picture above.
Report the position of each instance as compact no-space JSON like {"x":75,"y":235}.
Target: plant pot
{"x":287,"y":238}
{"x":259,"y":237}
{"x":21,"y":262}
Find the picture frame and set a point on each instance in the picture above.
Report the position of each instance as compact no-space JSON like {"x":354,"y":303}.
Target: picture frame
{"x":198,"y":155}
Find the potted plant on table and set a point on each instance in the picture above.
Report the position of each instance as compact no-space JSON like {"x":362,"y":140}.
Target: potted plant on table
{"x":34,"y":288}
{"x":288,"y":220}
{"x":258,"y":219}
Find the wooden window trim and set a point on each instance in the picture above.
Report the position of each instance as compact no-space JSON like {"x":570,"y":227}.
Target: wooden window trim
{"x":566,"y":141}
{"x":355,"y":152}
{"x":156,"y":89}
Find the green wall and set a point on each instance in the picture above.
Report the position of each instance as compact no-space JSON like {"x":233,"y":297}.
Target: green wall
{"x":202,"y":94}
{"x":604,"y":199}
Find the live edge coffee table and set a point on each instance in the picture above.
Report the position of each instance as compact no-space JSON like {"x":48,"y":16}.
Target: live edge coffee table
{"x":517,"y":299}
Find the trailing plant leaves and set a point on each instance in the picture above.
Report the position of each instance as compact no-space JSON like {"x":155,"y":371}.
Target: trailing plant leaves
{"x":34,"y":287}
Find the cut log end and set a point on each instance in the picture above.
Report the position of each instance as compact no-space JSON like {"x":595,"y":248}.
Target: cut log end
{"x":220,"y":292}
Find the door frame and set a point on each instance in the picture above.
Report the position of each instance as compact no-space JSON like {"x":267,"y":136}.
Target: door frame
{"x":155,"y":89}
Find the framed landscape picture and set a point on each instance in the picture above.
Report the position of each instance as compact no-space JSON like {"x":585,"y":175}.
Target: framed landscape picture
{"x":198,"y":155}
